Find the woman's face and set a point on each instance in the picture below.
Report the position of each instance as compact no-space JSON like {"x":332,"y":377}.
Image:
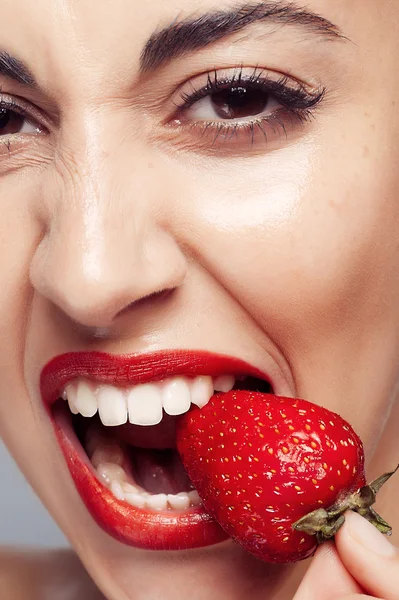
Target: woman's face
{"x":230,"y":189}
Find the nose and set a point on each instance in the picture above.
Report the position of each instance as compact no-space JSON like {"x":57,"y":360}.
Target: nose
{"x":103,"y":252}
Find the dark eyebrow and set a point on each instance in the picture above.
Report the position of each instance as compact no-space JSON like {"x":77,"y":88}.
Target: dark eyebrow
{"x":15,"y":69}
{"x":182,"y":37}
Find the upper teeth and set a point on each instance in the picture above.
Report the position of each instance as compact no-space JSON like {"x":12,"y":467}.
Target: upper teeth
{"x":143,"y":404}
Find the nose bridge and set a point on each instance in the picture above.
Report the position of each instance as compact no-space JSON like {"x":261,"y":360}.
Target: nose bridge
{"x":102,"y":212}
{"x":104,"y":248}
{"x":102,"y":205}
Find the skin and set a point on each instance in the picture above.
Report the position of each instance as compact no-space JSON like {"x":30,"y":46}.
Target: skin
{"x":44,"y":575}
{"x":110,"y":207}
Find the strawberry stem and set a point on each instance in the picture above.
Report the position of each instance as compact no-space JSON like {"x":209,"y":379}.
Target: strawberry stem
{"x":325,"y":523}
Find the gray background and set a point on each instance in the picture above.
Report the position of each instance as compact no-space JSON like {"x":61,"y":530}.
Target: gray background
{"x":23,"y":519}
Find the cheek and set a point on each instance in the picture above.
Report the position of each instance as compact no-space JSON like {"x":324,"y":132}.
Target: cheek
{"x":22,"y":427}
{"x":306,"y":237}
{"x":18,"y":237}
{"x":310,"y":252}
{"x":304,"y":241}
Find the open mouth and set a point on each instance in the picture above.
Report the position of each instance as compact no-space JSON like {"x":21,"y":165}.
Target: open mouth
{"x":117,"y":433}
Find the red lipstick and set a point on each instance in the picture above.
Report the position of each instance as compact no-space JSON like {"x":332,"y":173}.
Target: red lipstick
{"x":166,"y":530}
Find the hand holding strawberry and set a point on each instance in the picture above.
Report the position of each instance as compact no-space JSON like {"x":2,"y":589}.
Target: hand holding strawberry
{"x":276,"y":473}
{"x":362,"y":564}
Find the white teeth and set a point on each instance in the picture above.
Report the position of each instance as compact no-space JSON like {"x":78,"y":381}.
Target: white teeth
{"x":195,"y":498}
{"x":145,"y":404}
{"x":179,"y":501}
{"x":121,"y":485}
{"x":85,"y":400}
{"x":176,"y":396}
{"x":111,"y":406}
{"x":117,"y":490}
{"x":137,"y":500}
{"x":157,"y":502}
{"x":71,"y":397}
{"x":128,"y":488}
{"x":72,"y":407}
{"x":114,"y":477}
{"x":224,"y":383}
{"x":201,"y":390}
{"x":109,"y":472}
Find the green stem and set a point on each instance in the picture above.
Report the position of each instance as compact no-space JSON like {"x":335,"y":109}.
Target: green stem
{"x":325,"y":523}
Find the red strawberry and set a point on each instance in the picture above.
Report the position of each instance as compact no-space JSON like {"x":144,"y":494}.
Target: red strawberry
{"x":261,"y":463}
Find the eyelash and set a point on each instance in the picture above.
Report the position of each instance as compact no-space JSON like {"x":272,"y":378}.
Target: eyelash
{"x":296,"y":103}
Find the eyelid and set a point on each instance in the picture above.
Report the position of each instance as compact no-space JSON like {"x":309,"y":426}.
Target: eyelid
{"x":25,"y":108}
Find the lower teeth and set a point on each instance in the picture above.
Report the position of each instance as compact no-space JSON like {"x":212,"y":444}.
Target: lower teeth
{"x":115,"y":478}
{"x":107,"y":458}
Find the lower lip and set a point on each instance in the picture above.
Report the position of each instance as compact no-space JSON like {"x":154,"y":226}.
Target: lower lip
{"x":132,"y":526}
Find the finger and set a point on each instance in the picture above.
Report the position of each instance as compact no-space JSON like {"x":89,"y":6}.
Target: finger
{"x":369,"y":556}
{"x":326,"y":578}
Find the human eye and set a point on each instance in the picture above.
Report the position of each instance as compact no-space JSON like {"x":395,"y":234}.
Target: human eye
{"x":239,"y":108}
{"x":17,"y":121}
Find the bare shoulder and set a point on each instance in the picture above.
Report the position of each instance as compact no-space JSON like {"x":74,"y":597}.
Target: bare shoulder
{"x":42,"y":575}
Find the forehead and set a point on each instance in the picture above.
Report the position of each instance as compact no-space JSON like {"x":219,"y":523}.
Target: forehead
{"x":83,"y":38}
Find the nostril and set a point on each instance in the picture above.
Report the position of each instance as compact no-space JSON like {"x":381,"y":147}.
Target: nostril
{"x":94,"y":309}
{"x":93,"y":281}
{"x":157,"y":296}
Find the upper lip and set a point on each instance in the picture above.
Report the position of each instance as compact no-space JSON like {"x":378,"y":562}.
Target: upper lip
{"x":124,"y":370}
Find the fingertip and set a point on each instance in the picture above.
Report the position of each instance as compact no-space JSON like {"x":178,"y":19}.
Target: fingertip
{"x":369,"y":556}
{"x":358,"y":530}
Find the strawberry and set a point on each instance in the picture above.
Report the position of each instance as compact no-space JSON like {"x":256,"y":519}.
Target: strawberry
{"x":276,"y":473}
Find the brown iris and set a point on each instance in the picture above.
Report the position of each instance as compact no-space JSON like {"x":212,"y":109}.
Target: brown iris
{"x":239,"y":102}
{"x":10,"y":122}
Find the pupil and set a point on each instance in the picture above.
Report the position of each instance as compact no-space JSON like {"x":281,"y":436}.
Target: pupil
{"x":4,"y":117}
{"x":10,"y":122}
{"x":239,"y":102}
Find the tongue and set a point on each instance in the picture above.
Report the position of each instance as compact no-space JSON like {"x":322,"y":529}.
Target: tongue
{"x":160,"y":472}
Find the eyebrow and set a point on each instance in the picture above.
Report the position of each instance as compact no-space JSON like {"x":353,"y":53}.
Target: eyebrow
{"x":182,"y":37}
{"x":15,"y":69}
